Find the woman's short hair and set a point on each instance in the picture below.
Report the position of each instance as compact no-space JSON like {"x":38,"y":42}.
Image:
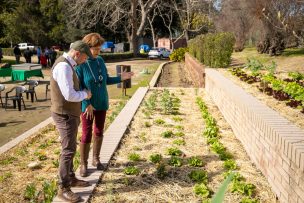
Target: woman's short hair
{"x":93,"y":39}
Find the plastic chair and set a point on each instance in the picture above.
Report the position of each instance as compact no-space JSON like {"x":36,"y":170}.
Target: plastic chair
{"x":16,"y":98}
{"x":31,"y":89}
{"x":47,"y":89}
{"x":2,"y":88}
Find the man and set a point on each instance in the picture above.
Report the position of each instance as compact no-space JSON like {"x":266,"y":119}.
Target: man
{"x":17,"y":53}
{"x":1,"y":55}
{"x":53,"y":56}
{"x":38,"y":54}
{"x":66,"y":109}
{"x":28,"y":55}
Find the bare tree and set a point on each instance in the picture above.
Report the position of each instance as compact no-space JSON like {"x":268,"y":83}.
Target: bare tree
{"x":166,"y":12}
{"x":286,"y":16}
{"x":130,"y":14}
{"x":236,"y":17}
{"x":194,"y":15}
{"x":151,"y":19}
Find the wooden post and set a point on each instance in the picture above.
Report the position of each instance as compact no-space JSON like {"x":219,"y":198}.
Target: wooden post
{"x":125,"y":84}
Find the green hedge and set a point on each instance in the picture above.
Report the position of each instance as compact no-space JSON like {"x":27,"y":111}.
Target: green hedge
{"x":213,"y":50}
{"x":178,"y":54}
{"x":105,"y":56}
{"x":8,"y":51}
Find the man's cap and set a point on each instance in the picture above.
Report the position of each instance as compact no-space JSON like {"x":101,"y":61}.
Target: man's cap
{"x":82,"y":47}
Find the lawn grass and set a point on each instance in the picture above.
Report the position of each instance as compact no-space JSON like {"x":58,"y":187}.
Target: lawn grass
{"x":11,"y":62}
{"x":265,"y":58}
{"x":141,"y":81}
{"x":291,"y":60}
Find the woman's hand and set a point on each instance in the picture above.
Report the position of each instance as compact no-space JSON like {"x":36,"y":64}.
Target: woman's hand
{"x":89,"y":112}
{"x":126,"y":75}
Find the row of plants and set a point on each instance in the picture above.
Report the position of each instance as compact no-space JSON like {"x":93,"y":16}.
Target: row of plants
{"x":213,"y":50}
{"x":212,"y":135}
{"x":169,"y":105}
{"x":290,"y":90}
{"x":40,"y":156}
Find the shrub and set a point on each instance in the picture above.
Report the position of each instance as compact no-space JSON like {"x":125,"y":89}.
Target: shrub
{"x":116,"y":56}
{"x":175,"y":161}
{"x":243,"y":188}
{"x":213,"y":50}
{"x":155,"y":158}
{"x":174,"y":151}
{"x":167,"y":134}
{"x":134,"y":157}
{"x":230,"y":164}
{"x":179,"y":134}
{"x":131,"y":170}
{"x":201,"y":190}
{"x":178,"y":54}
{"x":179,"y":142}
{"x":159,"y":121}
{"x":198,"y":176}
{"x":195,"y":161}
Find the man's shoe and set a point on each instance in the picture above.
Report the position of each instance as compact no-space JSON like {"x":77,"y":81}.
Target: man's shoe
{"x":75,"y":182}
{"x":65,"y":193}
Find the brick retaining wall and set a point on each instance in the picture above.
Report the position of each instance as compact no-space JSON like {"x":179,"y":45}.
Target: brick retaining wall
{"x":196,"y":70}
{"x":273,"y":143}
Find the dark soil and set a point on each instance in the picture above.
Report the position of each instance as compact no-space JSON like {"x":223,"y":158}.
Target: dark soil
{"x":175,"y":75}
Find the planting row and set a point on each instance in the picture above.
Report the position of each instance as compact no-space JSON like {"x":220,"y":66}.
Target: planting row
{"x":212,"y":136}
{"x":28,"y":172}
{"x":289,"y":90}
{"x":165,"y":158}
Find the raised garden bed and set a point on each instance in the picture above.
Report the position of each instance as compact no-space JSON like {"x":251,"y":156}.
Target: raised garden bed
{"x":19,"y":183}
{"x":277,"y":100}
{"x":165,"y":156}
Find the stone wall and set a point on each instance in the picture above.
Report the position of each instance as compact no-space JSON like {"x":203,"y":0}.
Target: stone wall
{"x":273,"y":143}
{"x":195,"y":70}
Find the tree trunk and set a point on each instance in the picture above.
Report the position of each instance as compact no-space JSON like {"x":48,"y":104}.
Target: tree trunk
{"x":134,"y":39}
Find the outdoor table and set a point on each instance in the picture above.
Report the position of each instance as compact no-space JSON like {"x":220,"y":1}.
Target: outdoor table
{"x":5,"y":72}
{"x":24,"y":74}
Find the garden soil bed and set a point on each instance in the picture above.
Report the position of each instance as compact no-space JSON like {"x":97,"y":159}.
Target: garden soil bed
{"x":174,"y":75}
{"x":44,"y":148}
{"x":291,"y":114}
{"x":176,"y":186}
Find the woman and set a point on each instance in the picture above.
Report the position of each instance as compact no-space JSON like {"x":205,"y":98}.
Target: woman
{"x":93,"y":76}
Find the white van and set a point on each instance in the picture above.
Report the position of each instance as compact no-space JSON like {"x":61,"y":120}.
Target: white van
{"x":24,"y":46}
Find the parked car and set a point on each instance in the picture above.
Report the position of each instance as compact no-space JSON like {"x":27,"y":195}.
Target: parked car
{"x":24,"y":46}
{"x":160,"y":53}
{"x":107,"y":47}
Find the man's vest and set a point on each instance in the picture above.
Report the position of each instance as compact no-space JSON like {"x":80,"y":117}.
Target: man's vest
{"x":58,"y":103}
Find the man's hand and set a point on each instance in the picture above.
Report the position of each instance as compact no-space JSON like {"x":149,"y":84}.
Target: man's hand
{"x":126,"y":75}
{"x":88,"y":93}
{"x":89,"y":112}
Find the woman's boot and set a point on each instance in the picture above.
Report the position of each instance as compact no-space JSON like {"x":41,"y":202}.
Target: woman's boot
{"x":96,"y":151}
{"x":84,"y":155}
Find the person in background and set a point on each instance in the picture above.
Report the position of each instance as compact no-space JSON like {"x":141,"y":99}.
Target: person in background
{"x":93,"y":75}
{"x":27,"y":55}
{"x":38,"y":54}
{"x":1,"y":55}
{"x":53,"y":56}
{"x":43,"y":60}
{"x":66,"y":98}
{"x":47,"y":55}
{"x":17,"y":53}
